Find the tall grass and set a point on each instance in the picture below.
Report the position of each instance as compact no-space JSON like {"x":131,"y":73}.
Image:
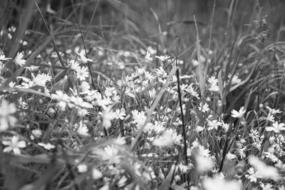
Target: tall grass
{"x":108,"y":107}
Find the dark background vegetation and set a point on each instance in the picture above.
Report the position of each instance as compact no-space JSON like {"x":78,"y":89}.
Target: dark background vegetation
{"x":146,"y":18}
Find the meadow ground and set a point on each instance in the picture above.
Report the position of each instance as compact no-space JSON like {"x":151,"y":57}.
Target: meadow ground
{"x":109,"y":106}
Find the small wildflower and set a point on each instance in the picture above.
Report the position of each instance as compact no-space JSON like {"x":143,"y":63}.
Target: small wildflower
{"x":6,"y":117}
{"x":19,"y":59}
{"x":204,"y":163}
{"x":195,"y":62}
{"x":270,"y":117}
{"x":62,"y":99}
{"x":84,"y":87}
{"x":213,"y":84}
{"x":219,"y":183}
{"x":139,"y":117}
{"x":168,"y":138}
{"x":204,"y":107}
{"x":199,"y":128}
{"x":82,"y":129}
{"x":82,"y":56}
{"x":262,"y":170}
{"x":238,"y":114}
{"x":163,"y":57}
{"x":3,"y":57}
{"x":82,"y":73}
{"x":150,"y":53}
{"x":184,"y":168}
{"x":108,"y":115}
{"x":120,"y":141}
{"x":192,"y":91}
{"x":273,"y":111}
{"x":109,"y":153}
{"x":214,"y":124}
{"x":14,"y":145}
{"x":225,"y":126}
{"x":41,"y":79}
{"x":37,"y":133}
{"x":74,"y":65}
{"x":276,"y":127}
{"x":120,"y":113}
{"x":250,"y":175}
{"x":236,"y":80}
{"x":82,"y":168}
{"x":157,"y":127}
{"x":122,"y":181}
{"x":47,"y":146}
{"x":266,"y":186}
{"x":96,"y":174}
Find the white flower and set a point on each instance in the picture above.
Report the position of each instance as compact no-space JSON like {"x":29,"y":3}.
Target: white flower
{"x":41,"y":79}
{"x":204,"y":163}
{"x":266,"y":186}
{"x":3,"y":57}
{"x":219,"y":183}
{"x":149,"y":54}
{"x":47,"y":146}
{"x":192,"y":91}
{"x":276,"y":127}
{"x":270,"y":117}
{"x":204,"y":107}
{"x":120,"y":113}
{"x":82,"y":129}
{"x":168,"y":138}
{"x":109,"y":153}
{"x":19,"y":59}
{"x":157,"y":127}
{"x":82,"y":168}
{"x":108,"y":115}
{"x":213,"y":124}
{"x":251,"y":175}
{"x":139,"y":117}
{"x":195,"y":62}
{"x":82,"y":73}
{"x":199,"y":128}
{"x":231,"y":156}
{"x":74,"y":65}
{"x":213,"y":84}
{"x":62,"y":99}
{"x":122,"y":181}
{"x":262,"y":170}
{"x":238,"y":114}
{"x":184,"y":168}
{"x":85,"y":87}
{"x":14,"y":145}
{"x":120,"y":141}
{"x":37,"y":133}
{"x":78,"y":101}
{"x":6,"y":117}
{"x":96,"y":174}
{"x":82,"y":56}
{"x":236,"y":80}
{"x":163,"y":57}
{"x":273,"y":111}
{"x":225,"y":126}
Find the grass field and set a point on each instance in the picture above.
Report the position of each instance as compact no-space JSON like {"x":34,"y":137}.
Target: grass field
{"x":91,"y":100}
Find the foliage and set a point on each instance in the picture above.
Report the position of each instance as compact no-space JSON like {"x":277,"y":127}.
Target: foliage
{"x":87,"y":110}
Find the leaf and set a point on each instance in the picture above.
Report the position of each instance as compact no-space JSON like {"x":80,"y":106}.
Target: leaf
{"x":168,"y":180}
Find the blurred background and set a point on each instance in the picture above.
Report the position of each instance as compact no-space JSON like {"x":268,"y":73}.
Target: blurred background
{"x":170,"y":23}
